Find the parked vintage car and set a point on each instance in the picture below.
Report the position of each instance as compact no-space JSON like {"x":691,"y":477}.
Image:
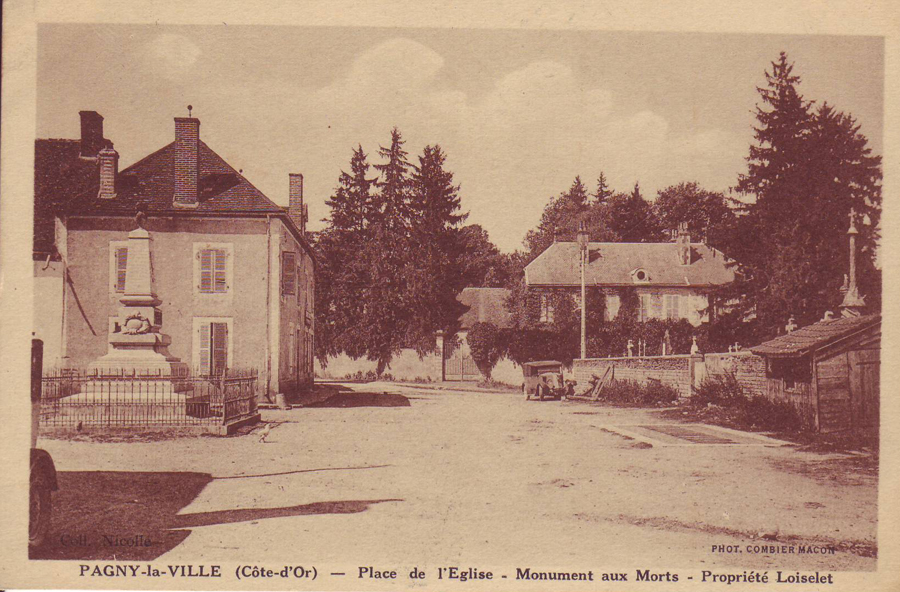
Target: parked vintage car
{"x":544,"y":380}
{"x":42,"y":479}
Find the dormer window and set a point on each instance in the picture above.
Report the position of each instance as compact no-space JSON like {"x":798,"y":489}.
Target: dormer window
{"x":640,"y":276}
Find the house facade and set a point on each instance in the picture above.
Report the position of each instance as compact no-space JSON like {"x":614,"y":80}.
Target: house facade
{"x":233,"y":271}
{"x":674,"y":280}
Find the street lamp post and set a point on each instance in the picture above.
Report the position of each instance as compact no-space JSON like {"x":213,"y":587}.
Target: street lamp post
{"x":582,"y":239}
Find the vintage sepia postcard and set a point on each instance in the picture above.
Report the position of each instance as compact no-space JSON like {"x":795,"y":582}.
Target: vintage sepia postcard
{"x":370,"y":296}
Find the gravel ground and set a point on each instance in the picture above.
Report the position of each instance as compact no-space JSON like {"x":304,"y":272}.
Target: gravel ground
{"x":477,"y":479}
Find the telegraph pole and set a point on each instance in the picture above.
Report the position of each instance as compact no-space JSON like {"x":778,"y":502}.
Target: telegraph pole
{"x":582,"y":239}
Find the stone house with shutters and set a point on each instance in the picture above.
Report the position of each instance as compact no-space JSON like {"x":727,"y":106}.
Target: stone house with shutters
{"x":673,"y":280}
{"x":234,"y":271}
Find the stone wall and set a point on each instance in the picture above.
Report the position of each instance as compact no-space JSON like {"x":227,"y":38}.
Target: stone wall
{"x":406,"y":366}
{"x":676,"y":371}
{"x":680,"y":371}
{"x":749,"y":369}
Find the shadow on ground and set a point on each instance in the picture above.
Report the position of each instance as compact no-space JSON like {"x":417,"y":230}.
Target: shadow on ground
{"x":356,"y":399}
{"x":106,"y":515}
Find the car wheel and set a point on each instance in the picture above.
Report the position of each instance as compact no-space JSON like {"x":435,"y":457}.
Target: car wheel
{"x":39,"y":511}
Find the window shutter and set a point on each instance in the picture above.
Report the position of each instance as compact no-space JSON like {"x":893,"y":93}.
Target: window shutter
{"x":288,"y":269}
{"x":219,"y":276}
{"x":206,"y":270}
{"x":121,"y":265}
{"x":657,"y":306}
{"x":204,"y":342}
{"x":645,"y":307}
{"x":301,"y":281}
{"x":219,"y":347}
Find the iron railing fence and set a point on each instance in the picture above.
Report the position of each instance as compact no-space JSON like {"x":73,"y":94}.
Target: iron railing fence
{"x":73,"y":398}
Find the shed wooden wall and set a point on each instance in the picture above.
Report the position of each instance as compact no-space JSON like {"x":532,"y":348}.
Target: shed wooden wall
{"x":847,"y":383}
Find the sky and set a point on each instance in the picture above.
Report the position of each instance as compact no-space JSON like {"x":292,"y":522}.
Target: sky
{"x":519,"y":113}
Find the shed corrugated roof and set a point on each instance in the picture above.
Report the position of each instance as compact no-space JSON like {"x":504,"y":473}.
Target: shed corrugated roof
{"x":612,"y":264}
{"x":815,"y":336}
{"x":486,"y":305}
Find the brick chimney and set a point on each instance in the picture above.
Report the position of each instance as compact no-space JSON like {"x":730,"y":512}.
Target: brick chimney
{"x":91,"y":133}
{"x":683,"y":240}
{"x":109,"y":168}
{"x":296,"y":208}
{"x":187,"y":161}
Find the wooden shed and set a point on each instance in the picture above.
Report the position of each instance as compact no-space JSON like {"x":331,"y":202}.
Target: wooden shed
{"x":828,"y":370}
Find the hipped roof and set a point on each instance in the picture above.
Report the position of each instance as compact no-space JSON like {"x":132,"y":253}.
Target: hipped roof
{"x":486,"y":305}
{"x":613,"y":264}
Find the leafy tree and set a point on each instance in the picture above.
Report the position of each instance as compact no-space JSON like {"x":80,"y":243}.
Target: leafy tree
{"x":487,"y":345}
{"x":483,"y":265}
{"x":707,"y":214}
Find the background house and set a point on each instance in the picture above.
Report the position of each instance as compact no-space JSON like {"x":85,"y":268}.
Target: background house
{"x":233,"y":269}
{"x":675,"y":280}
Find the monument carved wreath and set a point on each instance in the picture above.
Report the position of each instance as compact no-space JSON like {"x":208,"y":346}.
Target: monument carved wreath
{"x":136,"y":324}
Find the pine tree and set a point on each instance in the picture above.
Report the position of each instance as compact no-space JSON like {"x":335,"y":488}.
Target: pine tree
{"x":392,"y":199}
{"x":435,"y":273}
{"x":806,"y":171}
{"x":560,"y":219}
{"x":352,"y":206}
{"x":341,"y":276}
{"x":603,"y":192}
{"x":631,"y":218}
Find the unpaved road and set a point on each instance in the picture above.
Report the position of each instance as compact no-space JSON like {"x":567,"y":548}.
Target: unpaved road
{"x":469,"y":479}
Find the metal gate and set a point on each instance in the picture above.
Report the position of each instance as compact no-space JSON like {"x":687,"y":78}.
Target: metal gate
{"x":458,"y":362}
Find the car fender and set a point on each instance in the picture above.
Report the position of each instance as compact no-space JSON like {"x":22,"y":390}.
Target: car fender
{"x":42,"y":463}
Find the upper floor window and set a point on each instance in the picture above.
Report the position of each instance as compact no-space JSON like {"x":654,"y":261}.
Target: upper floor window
{"x":118,"y":263}
{"x":546,"y":309}
{"x":288,"y":273}
{"x":213,"y":269}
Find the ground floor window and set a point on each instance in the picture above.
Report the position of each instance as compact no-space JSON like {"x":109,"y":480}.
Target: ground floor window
{"x":673,"y":310}
{"x":212,"y":345}
{"x":546,"y":309}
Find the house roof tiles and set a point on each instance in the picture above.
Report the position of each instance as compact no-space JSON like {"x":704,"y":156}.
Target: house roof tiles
{"x":815,"y":336}
{"x":486,"y":305}
{"x":614,"y":264}
{"x":60,"y":175}
{"x":67,"y":184}
{"x":149,"y":185}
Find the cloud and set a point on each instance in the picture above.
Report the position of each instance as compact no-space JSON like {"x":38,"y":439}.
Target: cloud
{"x":511,"y":147}
{"x":171,"y":56}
